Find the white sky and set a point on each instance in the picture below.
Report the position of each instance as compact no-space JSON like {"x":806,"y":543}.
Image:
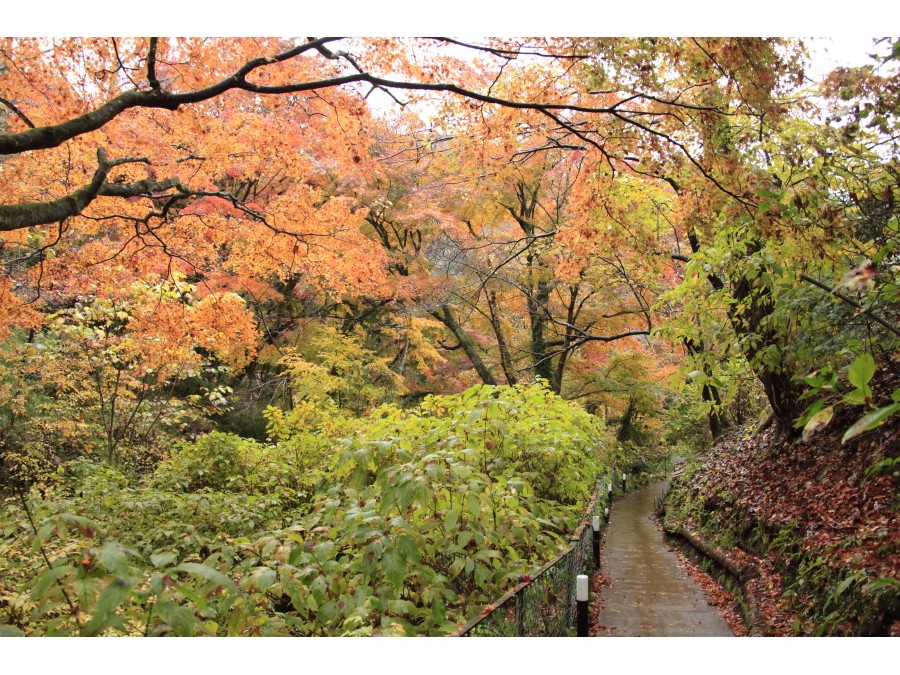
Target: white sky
{"x":849,"y":27}
{"x":831,"y":52}
{"x":485,"y":17}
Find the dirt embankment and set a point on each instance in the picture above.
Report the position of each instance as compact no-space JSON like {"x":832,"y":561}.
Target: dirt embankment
{"x":810,"y":531}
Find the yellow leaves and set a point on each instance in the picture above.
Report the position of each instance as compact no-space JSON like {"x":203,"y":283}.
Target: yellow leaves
{"x":817,"y":422}
{"x":161,"y":330}
{"x":335,"y":365}
{"x":416,"y":338}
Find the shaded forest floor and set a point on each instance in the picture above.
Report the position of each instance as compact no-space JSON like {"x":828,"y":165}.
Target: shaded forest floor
{"x":809,"y":530}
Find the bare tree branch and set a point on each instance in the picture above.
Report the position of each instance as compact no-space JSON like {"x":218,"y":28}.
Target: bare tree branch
{"x":54,"y":135}
{"x":504,"y":53}
{"x":850,"y":301}
{"x":22,"y":116}
{"x":30,"y":214}
{"x":151,"y":66}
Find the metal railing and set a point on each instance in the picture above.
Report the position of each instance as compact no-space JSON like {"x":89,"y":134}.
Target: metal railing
{"x":543,"y":604}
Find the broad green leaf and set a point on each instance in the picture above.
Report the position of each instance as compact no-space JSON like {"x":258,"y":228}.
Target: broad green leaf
{"x":323,"y":551}
{"x":162,"y":559}
{"x":263,"y":577}
{"x":844,"y":585}
{"x":870,"y":421}
{"x":401,"y":607}
{"x":48,"y":578}
{"x":482,"y":574}
{"x":103,"y":614}
{"x":179,"y":620}
{"x":883,"y":251}
{"x":394,"y":567}
{"x":878,"y":584}
{"x":808,"y":414}
{"x":862,"y":370}
{"x":209,"y":574}
{"x":408,"y":549}
{"x":472,"y":504}
{"x":457,"y":566}
{"x":10,"y":631}
{"x":855,"y":397}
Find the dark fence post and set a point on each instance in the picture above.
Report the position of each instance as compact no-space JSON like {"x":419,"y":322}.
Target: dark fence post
{"x":581,"y":596}
{"x":518,"y":618}
{"x":520,"y":613}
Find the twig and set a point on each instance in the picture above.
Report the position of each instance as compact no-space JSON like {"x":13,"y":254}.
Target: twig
{"x":850,"y":301}
{"x":34,"y":529}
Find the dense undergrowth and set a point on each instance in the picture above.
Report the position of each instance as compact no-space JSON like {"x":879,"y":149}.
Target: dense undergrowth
{"x":405,"y":522}
{"x":814,"y":524}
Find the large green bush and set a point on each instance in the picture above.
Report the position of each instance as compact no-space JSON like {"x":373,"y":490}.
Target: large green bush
{"x":416,"y":519}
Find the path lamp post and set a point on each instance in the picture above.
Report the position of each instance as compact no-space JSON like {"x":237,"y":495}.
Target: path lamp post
{"x":624,"y":479}
{"x":609,"y":491}
{"x":581,"y":596}
{"x":595,"y":522}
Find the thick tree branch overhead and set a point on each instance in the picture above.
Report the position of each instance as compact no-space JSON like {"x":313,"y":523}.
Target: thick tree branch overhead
{"x":154,"y":94}
{"x":18,"y":216}
{"x":31,"y":214}
{"x":50,"y":136}
{"x":319,"y":64}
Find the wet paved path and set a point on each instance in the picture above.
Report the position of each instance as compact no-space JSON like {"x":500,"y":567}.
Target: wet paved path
{"x":650,"y":594}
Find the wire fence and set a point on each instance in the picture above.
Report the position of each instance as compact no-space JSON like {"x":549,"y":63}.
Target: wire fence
{"x":543,"y":604}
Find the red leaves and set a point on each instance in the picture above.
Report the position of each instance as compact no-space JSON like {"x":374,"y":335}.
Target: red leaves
{"x":813,"y":500}
{"x":721,"y":599}
{"x":206,"y":205}
{"x":858,"y":279}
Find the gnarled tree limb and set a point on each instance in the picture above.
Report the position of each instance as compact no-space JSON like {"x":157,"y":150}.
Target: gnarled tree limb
{"x":30,"y":214}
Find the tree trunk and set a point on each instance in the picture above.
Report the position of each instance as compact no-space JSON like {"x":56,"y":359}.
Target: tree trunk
{"x":748,"y":315}
{"x":445,"y":316}
{"x":710,"y":394}
{"x":542,"y":362}
{"x":502,"y":346}
{"x":752,"y":306}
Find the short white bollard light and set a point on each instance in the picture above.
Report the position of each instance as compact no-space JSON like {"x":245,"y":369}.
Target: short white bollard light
{"x":624,"y":479}
{"x":595,"y":524}
{"x":581,"y":596}
{"x":606,"y":514}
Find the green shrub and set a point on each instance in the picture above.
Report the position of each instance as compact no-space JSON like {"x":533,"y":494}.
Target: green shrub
{"x":419,"y":518}
{"x":214,"y":461}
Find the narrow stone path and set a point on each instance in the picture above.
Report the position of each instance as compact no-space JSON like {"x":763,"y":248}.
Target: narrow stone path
{"x":650,"y":594}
